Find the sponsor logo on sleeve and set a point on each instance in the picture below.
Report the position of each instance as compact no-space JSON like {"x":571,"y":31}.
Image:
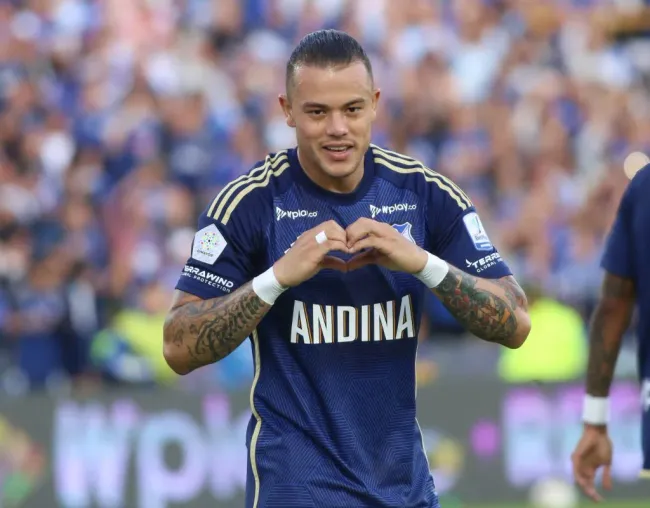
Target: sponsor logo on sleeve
{"x":484,"y":263}
{"x":477,"y":232}
{"x":208,"y":245}
{"x":208,"y":278}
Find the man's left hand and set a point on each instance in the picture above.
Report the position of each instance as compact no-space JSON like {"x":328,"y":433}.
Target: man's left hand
{"x":383,"y":245}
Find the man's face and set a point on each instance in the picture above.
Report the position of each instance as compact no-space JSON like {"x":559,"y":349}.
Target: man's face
{"x":332,"y":110}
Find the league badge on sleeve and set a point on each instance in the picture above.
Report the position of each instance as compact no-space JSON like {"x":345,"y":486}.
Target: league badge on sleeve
{"x":405,"y":231}
{"x":476,"y":231}
{"x":208,"y":245}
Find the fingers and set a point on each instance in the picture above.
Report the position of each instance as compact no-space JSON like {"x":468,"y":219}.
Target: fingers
{"x":332,"y":263}
{"x":326,"y":233}
{"x":362,"y":228}
{"x":585,"y":478}
{"x":607,"y":477}
{"x":592,"y":452}
{"x":336,"y":234}
{"x":361,"y":260}
{"x":333,"y":230}
{"x":332,"y":245}
{"x":309,"y":254}
{"x":369,"y":242}
{"x":363,"y":234}
{"x":590,"y":491}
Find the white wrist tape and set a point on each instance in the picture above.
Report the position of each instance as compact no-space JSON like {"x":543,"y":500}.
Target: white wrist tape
{"x":433,"y":272}
{"x":595,"y":410}
{"x":267,"y":287}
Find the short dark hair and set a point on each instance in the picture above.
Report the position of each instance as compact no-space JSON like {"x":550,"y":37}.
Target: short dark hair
{"x":324,"y":48}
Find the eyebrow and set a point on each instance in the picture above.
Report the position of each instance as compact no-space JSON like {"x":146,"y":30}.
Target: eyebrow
{"x":315,"y":105}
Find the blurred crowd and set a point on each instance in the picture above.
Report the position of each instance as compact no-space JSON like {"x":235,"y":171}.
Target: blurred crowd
{"x":120,"y":120}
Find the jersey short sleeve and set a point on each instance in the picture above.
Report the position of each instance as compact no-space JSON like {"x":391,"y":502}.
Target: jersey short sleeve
{"x":223,"y":256}
{"x":618,"y":256}
{"x":457,"y":233}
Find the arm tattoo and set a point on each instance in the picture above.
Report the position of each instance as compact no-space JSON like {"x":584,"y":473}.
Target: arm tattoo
{"x":609,"y":322}
{"x":486,"y":308}
{"x":513,"y":292}
{"x":205,"y":331}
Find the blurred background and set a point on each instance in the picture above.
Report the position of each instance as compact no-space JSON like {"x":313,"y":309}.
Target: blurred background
{"x":120,"y":120}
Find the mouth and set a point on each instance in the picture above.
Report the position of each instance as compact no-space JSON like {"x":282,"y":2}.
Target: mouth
{"x":338,"y":152}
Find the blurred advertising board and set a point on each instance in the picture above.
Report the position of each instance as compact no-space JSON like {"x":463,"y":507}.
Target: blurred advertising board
{"x":158,"y":448}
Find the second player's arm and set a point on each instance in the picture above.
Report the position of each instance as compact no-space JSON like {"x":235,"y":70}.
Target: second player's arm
{"x":609,"y":322}
{"x":199,"y":332}
{"x":495,"y":310}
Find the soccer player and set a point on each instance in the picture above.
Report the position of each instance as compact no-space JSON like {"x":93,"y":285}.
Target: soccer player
{"x":625,"y":283}
{"x":321,"y":254}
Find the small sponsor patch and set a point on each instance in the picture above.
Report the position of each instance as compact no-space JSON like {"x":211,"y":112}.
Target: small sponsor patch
{"x":476,"y":231}
{"x":208,"y":245}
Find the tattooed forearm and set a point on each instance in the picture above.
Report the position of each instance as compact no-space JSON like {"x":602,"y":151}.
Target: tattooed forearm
{"x":513,"y":292}
{"x":493,"y":310}
{"x":199,"y":332}
{"x":608,"y":324}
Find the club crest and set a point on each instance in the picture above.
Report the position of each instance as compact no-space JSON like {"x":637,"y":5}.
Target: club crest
{"x":405,"y":230}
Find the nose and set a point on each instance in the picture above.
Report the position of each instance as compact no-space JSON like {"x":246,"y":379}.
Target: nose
{"x":337,"y":125}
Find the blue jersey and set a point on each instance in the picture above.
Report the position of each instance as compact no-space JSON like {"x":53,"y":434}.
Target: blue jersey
{"x":626,"y":255}
{"x":333,"y":396}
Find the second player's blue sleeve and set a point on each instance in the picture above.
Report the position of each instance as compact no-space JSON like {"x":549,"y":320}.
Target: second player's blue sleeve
{"x":222,"y":256}
{"x":618,"y":257}
{"x":458,"y":236}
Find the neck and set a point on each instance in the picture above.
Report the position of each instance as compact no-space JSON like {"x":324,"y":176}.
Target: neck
{"x":340,"y":185}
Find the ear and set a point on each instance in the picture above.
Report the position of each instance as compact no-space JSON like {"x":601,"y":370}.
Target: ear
{"x":285,"y":104}
{"x":375,"y":100}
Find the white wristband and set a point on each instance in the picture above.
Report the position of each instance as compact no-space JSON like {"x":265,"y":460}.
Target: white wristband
{"x":267,"y":287}
{"x":433,"y":272}
{"x":595,"y":410}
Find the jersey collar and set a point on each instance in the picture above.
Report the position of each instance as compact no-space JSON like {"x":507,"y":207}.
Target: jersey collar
{"x":348,"y":198}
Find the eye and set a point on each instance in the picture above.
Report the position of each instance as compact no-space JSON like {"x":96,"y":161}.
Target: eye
{"x":354,"y":109}
{"x":316,"y":112}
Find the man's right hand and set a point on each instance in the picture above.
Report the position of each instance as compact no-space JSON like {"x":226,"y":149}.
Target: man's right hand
{"x":594,"y":450}
{"x":307,"y":257}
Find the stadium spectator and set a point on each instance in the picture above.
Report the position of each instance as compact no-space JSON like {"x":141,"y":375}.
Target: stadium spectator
{"x":119,"y":121}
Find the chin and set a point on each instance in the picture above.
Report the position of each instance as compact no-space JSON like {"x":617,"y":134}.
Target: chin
{"x":340,"y":170}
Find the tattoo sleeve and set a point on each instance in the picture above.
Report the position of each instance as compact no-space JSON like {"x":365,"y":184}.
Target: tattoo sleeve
{"x":609,"y":322}
{"x":493,"y":310}
{"x":199,"y":332}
